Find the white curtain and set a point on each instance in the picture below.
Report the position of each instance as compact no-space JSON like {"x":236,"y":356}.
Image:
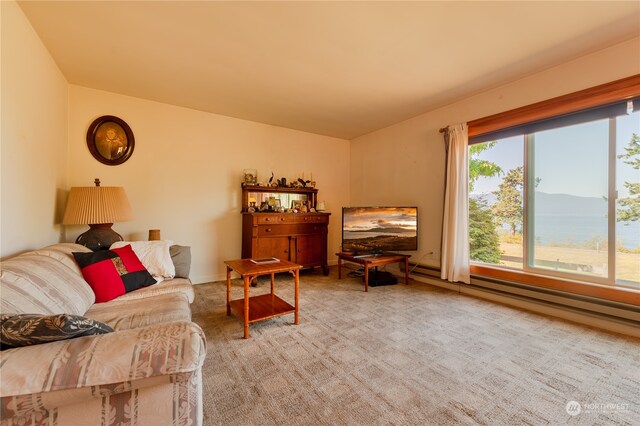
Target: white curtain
{"x":455,"y":227}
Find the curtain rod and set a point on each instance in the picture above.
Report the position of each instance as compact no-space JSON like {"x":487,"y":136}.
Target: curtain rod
{"x":444,"y":129}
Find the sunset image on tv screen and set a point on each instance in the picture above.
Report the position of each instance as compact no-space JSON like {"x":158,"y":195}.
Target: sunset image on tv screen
{"x":379,"y":228}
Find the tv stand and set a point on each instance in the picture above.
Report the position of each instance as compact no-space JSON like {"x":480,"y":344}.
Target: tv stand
{"x":373,"y":261}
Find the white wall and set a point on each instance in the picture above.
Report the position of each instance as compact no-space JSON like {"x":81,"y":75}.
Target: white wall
{"x":33,"y":138}
{"x":185,"y":173}
{"x":404,"y":163}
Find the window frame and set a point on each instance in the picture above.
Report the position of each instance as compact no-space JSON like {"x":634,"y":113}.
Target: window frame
{"x":619,"y":90}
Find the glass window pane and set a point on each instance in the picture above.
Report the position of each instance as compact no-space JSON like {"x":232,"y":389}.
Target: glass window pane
{"x":495,"y":202}
{"x":568,"y":227}
{"x":628,"y":201}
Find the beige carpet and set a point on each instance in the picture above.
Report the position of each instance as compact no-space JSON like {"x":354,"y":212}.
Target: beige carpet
{"x":411,"y":355}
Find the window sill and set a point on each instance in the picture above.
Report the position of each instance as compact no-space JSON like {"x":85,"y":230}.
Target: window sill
{"x":601,"y":291}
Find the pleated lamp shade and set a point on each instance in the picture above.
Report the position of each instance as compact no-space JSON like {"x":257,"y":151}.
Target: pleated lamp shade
{"x":99,"y":207}
{"x":97,"y":204}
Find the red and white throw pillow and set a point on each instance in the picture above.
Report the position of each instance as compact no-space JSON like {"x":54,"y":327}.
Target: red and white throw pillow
{"x":154,"y":255}
{"x":112,"y":273}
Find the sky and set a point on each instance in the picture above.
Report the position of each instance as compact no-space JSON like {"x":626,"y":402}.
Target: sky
{"x":561,"y":167}
{"x":358,"y":219}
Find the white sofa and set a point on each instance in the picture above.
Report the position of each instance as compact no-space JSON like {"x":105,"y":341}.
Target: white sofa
{"x":146,"y":372}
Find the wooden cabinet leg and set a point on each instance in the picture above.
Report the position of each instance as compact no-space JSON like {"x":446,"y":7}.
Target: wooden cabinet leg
{"x":339,"y":268}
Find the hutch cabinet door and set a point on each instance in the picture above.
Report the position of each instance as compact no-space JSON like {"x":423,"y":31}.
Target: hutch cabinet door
{"x":311,"y":250}
{"x":273,"y":247}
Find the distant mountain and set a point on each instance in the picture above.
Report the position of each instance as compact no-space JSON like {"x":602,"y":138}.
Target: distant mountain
{"x":560,"y":204}
{"x":488,"y":197}
{"x":569,"y":205}
{"x":389,"y":229}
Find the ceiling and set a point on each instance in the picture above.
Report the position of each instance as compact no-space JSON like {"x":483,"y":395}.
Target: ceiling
{"x":341,"y":69}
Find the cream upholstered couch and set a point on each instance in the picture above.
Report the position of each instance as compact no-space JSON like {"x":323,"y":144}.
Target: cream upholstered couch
{"x":147,"y":372}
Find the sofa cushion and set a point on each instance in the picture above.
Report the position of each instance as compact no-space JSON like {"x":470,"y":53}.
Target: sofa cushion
{"x":181,"y":257}
{"x":176,"y":285}
{"x":47,"y":281}
{"x":63,"y":252}
{"x":114,"y":360}
{"x":112,"y":273}
{"x":30,"y":329}
{"x":134,"y":313}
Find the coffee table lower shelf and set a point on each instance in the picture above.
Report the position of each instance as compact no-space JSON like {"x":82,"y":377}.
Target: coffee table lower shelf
{"x":256,"y":308}
{"x":262,"y":307}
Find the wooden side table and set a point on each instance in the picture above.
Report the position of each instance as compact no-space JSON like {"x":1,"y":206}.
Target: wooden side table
{"x":265,"y":306}
{"x":374,"y":261}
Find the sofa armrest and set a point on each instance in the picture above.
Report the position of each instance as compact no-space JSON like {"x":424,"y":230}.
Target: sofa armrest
{"x":119,"y":357}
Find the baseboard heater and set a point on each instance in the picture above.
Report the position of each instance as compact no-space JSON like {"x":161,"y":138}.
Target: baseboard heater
{"x":613,"y":311}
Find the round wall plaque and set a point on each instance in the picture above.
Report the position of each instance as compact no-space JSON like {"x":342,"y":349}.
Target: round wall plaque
{"x":110,"y":140}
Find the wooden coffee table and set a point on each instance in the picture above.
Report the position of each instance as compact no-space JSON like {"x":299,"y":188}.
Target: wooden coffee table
{"x":374,"y":261}
{"x":257,"y":308}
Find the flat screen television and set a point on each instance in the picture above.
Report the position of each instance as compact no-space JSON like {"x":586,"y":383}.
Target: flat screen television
{"x":375,"y":230}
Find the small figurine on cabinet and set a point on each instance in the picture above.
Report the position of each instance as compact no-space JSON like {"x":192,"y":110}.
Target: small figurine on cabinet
{"x":296,"y":206}
{"x":252,"y":205}
{"x":303,"y":182}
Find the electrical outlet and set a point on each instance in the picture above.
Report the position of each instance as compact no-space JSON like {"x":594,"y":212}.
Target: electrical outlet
{"x":425,"y":255}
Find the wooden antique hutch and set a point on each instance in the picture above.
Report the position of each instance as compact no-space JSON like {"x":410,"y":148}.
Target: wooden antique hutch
{"x":297,"y":237}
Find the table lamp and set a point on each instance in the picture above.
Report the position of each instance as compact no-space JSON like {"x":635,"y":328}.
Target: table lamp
{"x":99,"y":207}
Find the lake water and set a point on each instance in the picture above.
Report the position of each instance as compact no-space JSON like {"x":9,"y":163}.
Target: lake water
{"x":579,"y":229}
{"x":349,"y":235}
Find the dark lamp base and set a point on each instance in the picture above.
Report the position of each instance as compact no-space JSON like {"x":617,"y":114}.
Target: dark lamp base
{"x":99,"y":237}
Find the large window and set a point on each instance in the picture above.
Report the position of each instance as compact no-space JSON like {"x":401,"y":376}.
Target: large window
{"x":560,"y":197}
